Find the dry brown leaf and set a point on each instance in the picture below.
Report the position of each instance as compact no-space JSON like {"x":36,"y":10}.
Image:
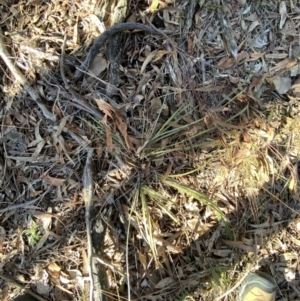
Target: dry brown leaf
{"x":105,"y":107}
{"x":160,"y":54}
{"x":58,"y":227}
{"x":143,"y":260}
{"x":257,"y":81}
{"x":167,"y":173}
{"x":116,"y":118}
{"x":195,"y":226}
{"x":283,"y":65}
{"x":276,"y":56}
{"x":228,"y":62}
{"x":253,"y":17}
{"x":53,"y":181}
{"x":122,"y":127}
{"x":38,"y":149}
{"x":54,"y":272}
{"x":109,"y":143}
{"x":148,"y":60}
{"x":255,"y":56}
{"x":254,"y":25}
{"x":222,"y":252}
{"x":190,"y":46}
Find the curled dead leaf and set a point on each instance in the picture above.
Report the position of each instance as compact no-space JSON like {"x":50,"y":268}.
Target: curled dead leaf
{"x":117,"y":118}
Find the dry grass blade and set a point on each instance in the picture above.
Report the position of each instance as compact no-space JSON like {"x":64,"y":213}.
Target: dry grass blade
{"x":158,"y":198}
{"x":147,"y":225}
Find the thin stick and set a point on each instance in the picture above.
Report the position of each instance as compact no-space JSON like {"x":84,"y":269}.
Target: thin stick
{"x":88,"y":196}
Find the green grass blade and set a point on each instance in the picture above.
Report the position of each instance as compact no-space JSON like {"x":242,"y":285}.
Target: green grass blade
{"x":158,"y":198}
{"x":202,"y":198}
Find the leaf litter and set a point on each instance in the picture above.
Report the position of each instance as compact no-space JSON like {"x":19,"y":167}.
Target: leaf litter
{"x":196,"y":164}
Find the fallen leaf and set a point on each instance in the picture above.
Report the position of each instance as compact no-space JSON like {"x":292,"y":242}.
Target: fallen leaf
{"x":282,"y":84}
{"x":116,"y":118}
{"x":143,"y":260}
{"x":154,"y":106}
{"x":255,"y":56}
{"x":109,"y":143}
{"x":53,"y":181}
{"x":160,"y":54}
{"x":98,"y":66}
{"x":148,"y":60}
{"x":228,"y":62}
{"x":286,"y":64}
{"x":282,"y":11}
{"x":164,"y":282}
{"x":54,"y":271}
{"x":105,"y":107}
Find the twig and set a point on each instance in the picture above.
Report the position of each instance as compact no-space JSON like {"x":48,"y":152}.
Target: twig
{"x":32,"y":91}
{"x":27,"y":291}
{"x":87,"y":196}
{"x":61,"y":63}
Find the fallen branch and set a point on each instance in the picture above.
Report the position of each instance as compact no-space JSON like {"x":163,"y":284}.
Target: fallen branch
{"x":31,"y":90}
